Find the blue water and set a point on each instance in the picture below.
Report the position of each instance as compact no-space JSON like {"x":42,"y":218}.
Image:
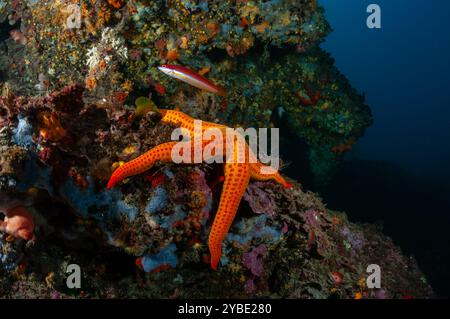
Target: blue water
{"x":404,"y":71}
{"x":402,"y":165}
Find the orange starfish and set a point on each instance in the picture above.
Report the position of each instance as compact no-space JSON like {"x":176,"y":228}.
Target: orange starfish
{"x":237,"y":175}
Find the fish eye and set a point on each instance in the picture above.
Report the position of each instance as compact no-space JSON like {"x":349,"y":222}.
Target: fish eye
{"x":2,"y":216}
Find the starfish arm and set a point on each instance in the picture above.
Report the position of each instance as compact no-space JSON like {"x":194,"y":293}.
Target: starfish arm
{"x":177,"y":118}
{"x":162,"y":153}
{"x":237,"y":176}
{"x":183,"y":120}
{"x":256,"y":173}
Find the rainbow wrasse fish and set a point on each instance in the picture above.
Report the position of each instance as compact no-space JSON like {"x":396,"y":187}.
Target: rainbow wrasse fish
{"x":188,"y":76}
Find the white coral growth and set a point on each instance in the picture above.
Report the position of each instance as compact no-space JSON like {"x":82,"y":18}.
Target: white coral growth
{"x":110,"y":46}
{"x":110,"y":38}
{"x":93,"y":57}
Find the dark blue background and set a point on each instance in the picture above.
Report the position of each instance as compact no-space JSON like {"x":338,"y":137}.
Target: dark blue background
{"x":399,"y":172}
{"x":404,"y":71}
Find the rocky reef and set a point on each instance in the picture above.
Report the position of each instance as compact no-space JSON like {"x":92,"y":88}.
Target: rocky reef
{"x":265,"y":53}
{"x":71,"y":73}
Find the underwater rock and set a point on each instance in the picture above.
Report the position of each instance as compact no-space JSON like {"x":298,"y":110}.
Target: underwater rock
{"x":253,"y":260}
{"x":148,"y":236}
{"x":264,"y":53}
{"x":165,"y":258}
{"x":12,"y":160}
{"x":284,"y":243}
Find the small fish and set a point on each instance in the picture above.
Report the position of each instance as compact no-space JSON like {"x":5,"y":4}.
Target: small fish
{"x":187,"y":75}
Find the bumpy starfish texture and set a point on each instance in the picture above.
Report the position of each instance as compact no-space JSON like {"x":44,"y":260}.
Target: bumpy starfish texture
{"x":237,"y":174}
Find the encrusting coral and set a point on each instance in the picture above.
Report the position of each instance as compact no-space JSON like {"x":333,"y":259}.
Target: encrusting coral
{"x":282,"y":243}
{"x":265,"y":53}
{"x":18,"y":222}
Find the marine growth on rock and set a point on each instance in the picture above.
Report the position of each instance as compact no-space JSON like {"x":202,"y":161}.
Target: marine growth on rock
{"x":82,"y":101}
